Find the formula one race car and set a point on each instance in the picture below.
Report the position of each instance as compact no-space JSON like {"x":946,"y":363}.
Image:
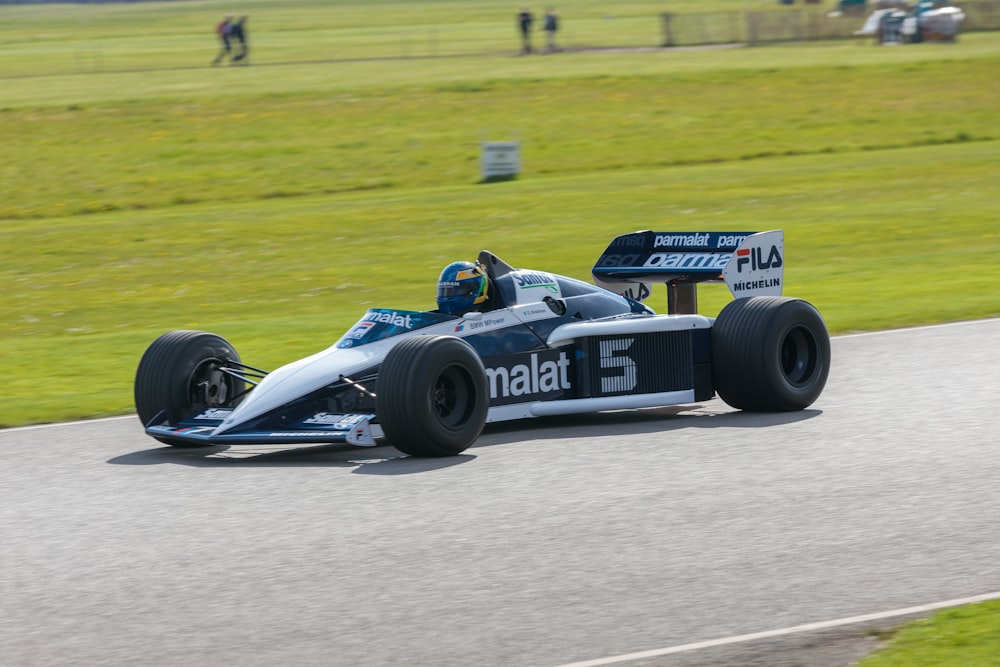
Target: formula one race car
{"x":548,"y":345}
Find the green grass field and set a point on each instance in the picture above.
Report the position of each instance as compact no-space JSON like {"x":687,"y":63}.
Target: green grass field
{"x":273,"y":203}
{"x":145,"y":191}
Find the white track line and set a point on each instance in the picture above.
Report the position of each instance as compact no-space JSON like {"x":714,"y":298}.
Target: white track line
{"x":81,"y":422}
{"x":922,"y":327}
{"x":808,"y":627}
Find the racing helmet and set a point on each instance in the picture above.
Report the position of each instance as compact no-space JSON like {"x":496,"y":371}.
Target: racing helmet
{"x":461,"y":287}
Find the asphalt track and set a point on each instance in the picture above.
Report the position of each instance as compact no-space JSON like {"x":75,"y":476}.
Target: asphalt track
{"x":661,"y":537}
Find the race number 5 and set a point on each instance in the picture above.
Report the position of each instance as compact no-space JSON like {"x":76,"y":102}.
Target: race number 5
{"x":614,"y":356}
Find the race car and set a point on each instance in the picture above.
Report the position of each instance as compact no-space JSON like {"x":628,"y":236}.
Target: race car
{"x":544,"y":344}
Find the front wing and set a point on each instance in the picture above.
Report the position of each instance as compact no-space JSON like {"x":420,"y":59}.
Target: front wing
{"x":316,"y":428}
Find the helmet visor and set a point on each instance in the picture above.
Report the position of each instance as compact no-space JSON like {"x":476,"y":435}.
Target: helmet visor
{"x":449,"y":290}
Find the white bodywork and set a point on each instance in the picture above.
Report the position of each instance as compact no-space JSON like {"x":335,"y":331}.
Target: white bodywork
{"x":757,"y":270}
{"x":317,"y":371}
{"x":613,"y":327}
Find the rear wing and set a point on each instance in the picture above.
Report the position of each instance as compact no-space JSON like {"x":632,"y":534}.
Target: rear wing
{"x":681,"y":260}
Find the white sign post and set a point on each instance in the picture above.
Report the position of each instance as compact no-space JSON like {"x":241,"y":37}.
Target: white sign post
{"x":500,"y":159}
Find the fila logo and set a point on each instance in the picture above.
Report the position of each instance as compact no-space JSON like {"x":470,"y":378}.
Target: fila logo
{"x":755,"y":258}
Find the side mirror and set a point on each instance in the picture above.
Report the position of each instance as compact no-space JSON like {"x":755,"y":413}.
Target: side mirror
{"x":555,"y":305}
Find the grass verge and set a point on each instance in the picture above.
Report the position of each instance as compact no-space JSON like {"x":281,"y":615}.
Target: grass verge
{"x":960,"y":637}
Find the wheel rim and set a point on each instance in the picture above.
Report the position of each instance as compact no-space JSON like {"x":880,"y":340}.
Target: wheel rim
{"x":450,"y":397}
{"x":799,"y":356}
{"x":209,"y":386}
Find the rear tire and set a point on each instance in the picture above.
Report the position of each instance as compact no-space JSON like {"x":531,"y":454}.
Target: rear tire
{"x":770,"y":354}
{"x":179,"y":374}
{"x":432,"y":396}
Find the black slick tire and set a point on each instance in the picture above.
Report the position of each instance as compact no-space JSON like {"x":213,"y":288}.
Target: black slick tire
{"x":770,"y":354}
{"x":179,"y":374}
{"x":432,"y":396}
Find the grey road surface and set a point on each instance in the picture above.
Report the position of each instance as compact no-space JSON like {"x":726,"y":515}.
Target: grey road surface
{"x":549,"y":542}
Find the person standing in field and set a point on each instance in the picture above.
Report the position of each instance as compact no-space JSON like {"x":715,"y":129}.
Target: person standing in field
{"x":239,"y":32}
{"x":524,"y":21}
{"x":551,"y":26}
{"x":222,"y":29}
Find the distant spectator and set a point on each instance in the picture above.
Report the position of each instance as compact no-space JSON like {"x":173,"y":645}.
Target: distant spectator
{"x":239,"y":32}
{"x":551,"y":28}
{"x":524,"y":21}
{"x":223,"y":30}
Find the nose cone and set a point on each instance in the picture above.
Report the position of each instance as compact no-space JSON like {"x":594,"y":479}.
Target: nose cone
{"x":295,"y":380}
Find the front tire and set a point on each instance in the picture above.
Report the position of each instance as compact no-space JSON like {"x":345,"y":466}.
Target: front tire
{"x":432,"y":396}
{"x":770,"y":354}
{"x":180,"y":373}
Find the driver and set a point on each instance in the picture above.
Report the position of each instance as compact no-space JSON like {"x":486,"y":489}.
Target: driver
{"x":463,"y":287}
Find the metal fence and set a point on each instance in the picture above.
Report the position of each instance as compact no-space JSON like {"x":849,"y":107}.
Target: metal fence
{"x":793,"y":25}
